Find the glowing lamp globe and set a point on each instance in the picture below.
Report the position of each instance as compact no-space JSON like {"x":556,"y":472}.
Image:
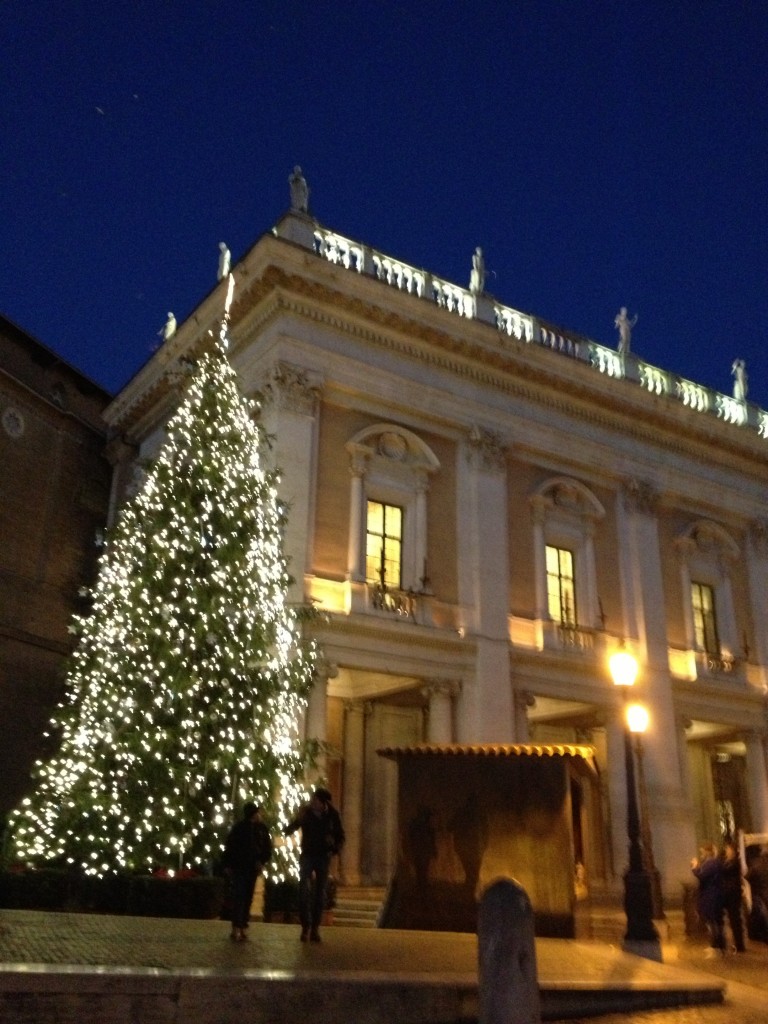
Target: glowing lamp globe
{"x":623,"y":668}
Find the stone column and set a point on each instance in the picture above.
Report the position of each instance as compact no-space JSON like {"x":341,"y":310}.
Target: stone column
{"x":758,"y":783}
{"x":442,"y":695}
{"x":353,"y":782}
{"x":356,"y":552}
{"x":483,"y":569}
{"x":290,"y":414}
{"x":645,"y":621}
{"x":316,"y":719}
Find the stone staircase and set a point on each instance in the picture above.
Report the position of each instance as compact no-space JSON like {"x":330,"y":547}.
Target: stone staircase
{"x":358,"y":906}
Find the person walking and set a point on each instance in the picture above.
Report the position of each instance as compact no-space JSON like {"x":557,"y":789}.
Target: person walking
{"x":247,"y":849}
{"x":322,"y":836}
{"x":707,"y":869}
{"x":732,"y":895}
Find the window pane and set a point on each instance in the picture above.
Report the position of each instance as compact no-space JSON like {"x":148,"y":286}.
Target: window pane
{"x":375,"y":518}
{"x":561,"y":589}
{"x":704,"y":618}
{"x":383,"y":546}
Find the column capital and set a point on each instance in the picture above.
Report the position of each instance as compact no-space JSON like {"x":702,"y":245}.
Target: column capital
{"x":524,"y":699}
{"x":441,"y":688}
{"x":325,"y":670}
{"x":486,"y":449}
{"x":290,"y":387}
{"x":640,"y":496}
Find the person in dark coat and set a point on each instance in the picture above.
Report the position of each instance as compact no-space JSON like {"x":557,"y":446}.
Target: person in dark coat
{"x":730,"y":888}
{"x":707,"y":868}
{"x":757,"y":877}
{"x":322,"y":836}
{"x":247,"y":849}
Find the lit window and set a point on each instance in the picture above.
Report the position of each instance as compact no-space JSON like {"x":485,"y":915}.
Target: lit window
{"x":561,"y":587}
{"x":704,"y":618}
{"x":383,"y":545}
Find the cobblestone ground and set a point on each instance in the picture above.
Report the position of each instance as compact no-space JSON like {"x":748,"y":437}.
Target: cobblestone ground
{"x":746,"y":999}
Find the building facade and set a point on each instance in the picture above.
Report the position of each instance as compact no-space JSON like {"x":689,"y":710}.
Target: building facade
{"x":55,"y":496}
{"x":485,"y":508}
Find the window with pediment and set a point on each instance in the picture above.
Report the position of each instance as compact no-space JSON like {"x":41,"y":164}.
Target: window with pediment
{"x":390,"y":468}
{"x":707,"y":556}
{"x":561,"y":586}
{"x":565,"y":515}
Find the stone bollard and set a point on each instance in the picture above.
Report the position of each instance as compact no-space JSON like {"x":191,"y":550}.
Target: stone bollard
{"x":509,"y":988}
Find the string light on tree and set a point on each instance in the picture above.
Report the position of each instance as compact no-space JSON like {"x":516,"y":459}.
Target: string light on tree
{"x":190,"y":674}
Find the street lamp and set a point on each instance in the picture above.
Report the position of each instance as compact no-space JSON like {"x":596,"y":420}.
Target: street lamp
{"x":637,"y":720}
{"x":638,"y":903}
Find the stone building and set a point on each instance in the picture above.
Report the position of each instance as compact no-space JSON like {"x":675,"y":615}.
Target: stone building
{"x":485,"y":508}
{"x":53,"y":507}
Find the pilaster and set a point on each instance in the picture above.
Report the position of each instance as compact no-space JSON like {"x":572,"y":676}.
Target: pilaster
{"x":483,"y":567}
{"x":645,"y":619}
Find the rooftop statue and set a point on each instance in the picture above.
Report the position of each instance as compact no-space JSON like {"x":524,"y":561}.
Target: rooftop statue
{"x":739,"y":374}
{"x":624,"y":325}
{"x":169,"y":329}
{"x":477,"y":276}
{"x":299,"y":191}
{"x":225,"y":259}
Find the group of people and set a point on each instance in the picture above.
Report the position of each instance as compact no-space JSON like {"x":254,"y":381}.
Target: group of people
{"x":248,"y":848}
{"x":734,"y":893}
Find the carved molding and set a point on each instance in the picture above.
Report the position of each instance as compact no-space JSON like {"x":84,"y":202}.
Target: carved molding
{"x":441,"y":688}
{"x":290,"y":388}
{"x":640,"y":497}
{"x":486,"y":449}
{"x":709,"y":540}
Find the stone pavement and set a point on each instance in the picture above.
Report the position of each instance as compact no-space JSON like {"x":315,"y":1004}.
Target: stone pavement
{"x":97,"y":969}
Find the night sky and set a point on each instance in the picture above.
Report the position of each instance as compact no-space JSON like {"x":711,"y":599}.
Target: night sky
{"x":602,"y":154}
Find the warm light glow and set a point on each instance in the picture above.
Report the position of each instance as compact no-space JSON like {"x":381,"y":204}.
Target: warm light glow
{"x":637,"y":718}
{"x":623,"y":668}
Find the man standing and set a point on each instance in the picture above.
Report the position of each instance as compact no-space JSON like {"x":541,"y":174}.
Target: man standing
{"x":247,"y":849}
{"x":322,"y":836}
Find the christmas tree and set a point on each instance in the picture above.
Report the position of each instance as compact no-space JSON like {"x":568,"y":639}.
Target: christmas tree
{"x":190,"y":675}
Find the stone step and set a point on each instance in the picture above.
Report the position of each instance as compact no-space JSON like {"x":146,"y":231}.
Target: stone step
{"x":358,"y":906}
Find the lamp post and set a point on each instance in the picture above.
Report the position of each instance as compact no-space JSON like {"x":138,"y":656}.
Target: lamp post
{"x":638,"y":903}
{"x":637,"y":720}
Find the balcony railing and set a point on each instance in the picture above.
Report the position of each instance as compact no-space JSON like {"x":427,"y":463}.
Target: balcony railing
{"x":512,"y":324}
{"x":397,"y":602}
{"x":716,"y":664}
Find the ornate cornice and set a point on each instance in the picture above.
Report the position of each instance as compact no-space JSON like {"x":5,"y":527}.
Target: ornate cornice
{"x":477,"y":355}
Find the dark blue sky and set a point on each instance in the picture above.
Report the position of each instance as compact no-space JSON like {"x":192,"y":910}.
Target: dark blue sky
{"x":602,"y":153}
